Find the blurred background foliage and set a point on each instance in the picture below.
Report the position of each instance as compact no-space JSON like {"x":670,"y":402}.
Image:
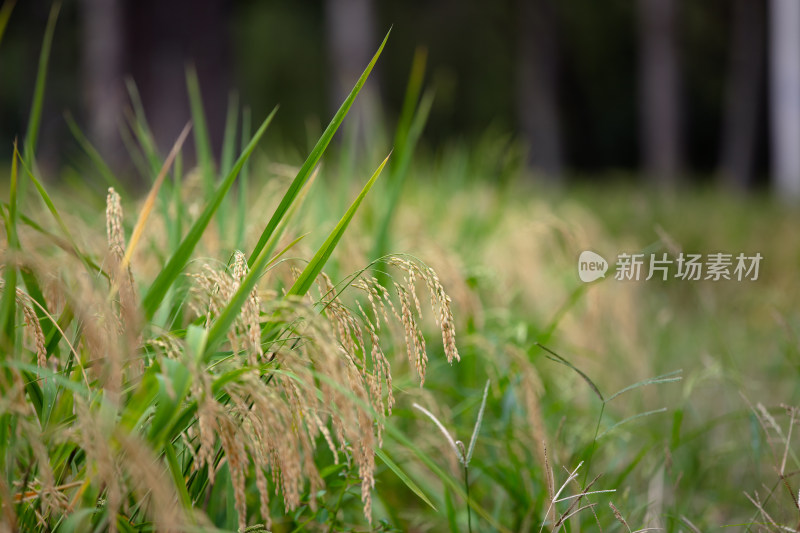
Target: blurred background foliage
{"x":663,"y":88}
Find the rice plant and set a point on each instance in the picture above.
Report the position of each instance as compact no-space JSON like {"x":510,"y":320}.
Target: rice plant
{"x":167,"y":403}
{"x":195,"y":360}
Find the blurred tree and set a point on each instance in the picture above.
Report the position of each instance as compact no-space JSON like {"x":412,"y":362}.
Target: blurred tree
{"x":744,"y":85}
{"x":102,"y":53}
{"x":659,"y":107}
{"x":537,"y":75}
{"x":162,"y":39}
{"x":785,"y":96}
{"x":351,"y":42}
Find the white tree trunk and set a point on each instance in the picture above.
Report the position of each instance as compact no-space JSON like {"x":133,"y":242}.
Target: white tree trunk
{"x":785,"y":96}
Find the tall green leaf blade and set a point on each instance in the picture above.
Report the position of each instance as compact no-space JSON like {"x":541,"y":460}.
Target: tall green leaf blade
{"x":177,"y":475}
{"x":410,"y":100}
{"x":177,"y":262}
{"x":317,"y":263}
{"x":229,"y":137}
{"x":9,"y":298}
{"x":241,"y":223}
{"x":225,"y":320}
{"x":142,"y":133}
{"x":94,"y":155}
{"x":399,"y":172}
{"x":5,"y":14}
{"x":313,"y":157}
{"x":226,"y":159}
{"x":35,"y":117}
{"x":53,"y":211}
{"x":558,"y":359}
{"x":405,"y":478}
{"x":202,"y":142}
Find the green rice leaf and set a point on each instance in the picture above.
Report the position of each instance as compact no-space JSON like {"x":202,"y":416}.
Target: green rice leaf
{"x":403,"y":477}
{"x":558,"y":359}
{"x":630,"y":419}
{"x":177,"y":475}
{"x":241,"y":220}
{"x":141,"y":131}
{"x":5,"y":14}
{"x":35,"y":117}
{"x":48,"y":202}
{"x":105,"y":171}
{"x":226,"y":318}
{"x":8,"y":301}
{"x":313,"y":158}
{"x":670,"y":377}
{"x":177,"y":262}
{"x":202,"y":142}
{"x":229,"y":137}
{"x":317,"y":263}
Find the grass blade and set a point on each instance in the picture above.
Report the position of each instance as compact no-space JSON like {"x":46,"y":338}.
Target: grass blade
{"x":630,"y":419}
{"x":403,"y":477}
{"x":150,"y":201}
{"x":61,"y":224}
{"x":229,"y":137}
{"x":241,"y":223}
{"x":177,"y":475}
{"x":202,"y":142}
{"x":226,"y":318}
{"x":9,"y":299}
{"x":558,"y":359}
{"x":94,"y":155}
{"x":670,"y":377}
{"x":272,"y":243}
{"x":177,"y":262}
{"x":141,"y":130}
{"x":448,"y":480}
{"x":399,"y":173}
{"x":35,"y":117}
{"x":315,"y":266}
{"x":477,"y":427}
{"x":313,"y":158}
{"x":60,"y":242}
{"x":5,"y":14}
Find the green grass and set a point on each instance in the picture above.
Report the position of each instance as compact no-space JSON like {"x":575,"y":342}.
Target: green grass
{"x":170,"y":372}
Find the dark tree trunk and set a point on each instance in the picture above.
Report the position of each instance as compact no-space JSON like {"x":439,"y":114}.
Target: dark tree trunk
{"x":351,"y":41}
{"x":537,"y":86}
{"x":744,"y":86}
{"x":166,"y":36}
{"x":103,"y":47}
{"x":659,"y":81}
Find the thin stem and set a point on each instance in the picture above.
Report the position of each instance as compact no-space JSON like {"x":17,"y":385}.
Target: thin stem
{"x":466,"y":487}
{"x":594,"y":442}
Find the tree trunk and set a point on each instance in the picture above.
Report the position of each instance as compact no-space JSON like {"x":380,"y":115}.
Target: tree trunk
{"x":745,"y":81}
{"x":164,"y":37}
{"x":785,"y":96}
{"x":659,"y":108}
{"x":351,"y":43}
{"x":102,"y":51}
{"x":537,"y":87}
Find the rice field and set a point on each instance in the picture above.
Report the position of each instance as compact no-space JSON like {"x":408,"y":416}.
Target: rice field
{"x":400,"y":343}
